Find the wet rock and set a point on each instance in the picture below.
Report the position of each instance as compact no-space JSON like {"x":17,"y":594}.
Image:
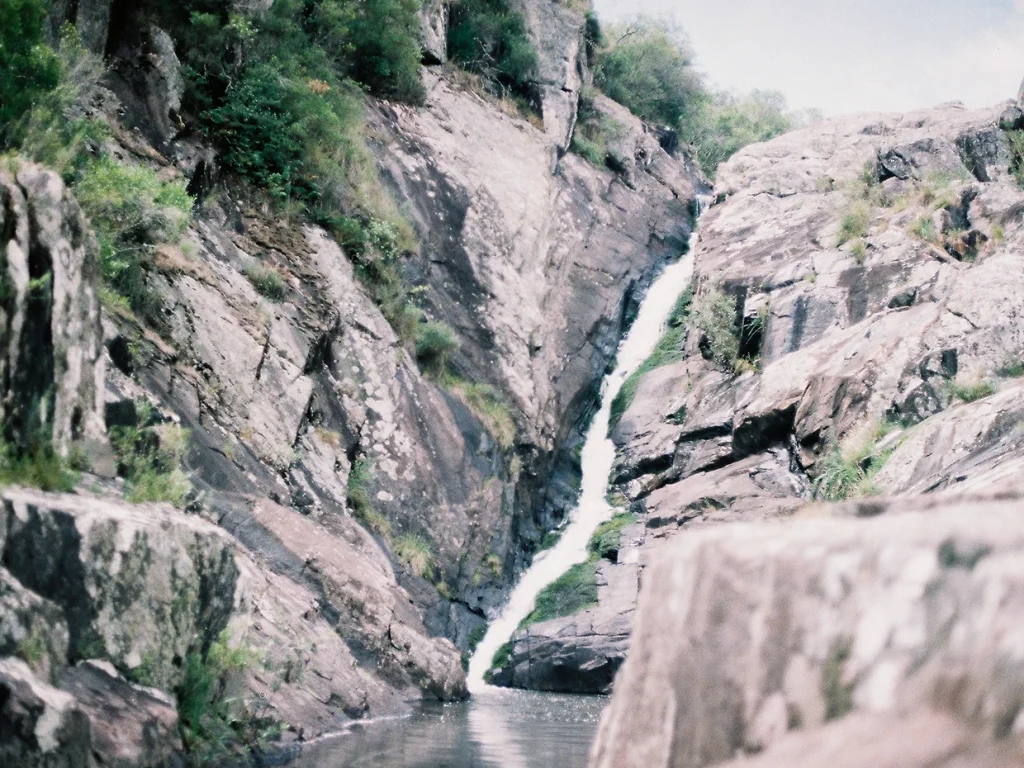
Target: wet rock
{"x":51,"y":361}
{"x":834,"y":616}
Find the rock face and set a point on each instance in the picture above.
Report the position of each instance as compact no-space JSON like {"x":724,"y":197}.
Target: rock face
{"x":778,"y":627}
{"x":353,"y":521}
{"x":51,"y":361}
{"x":873,"y":265}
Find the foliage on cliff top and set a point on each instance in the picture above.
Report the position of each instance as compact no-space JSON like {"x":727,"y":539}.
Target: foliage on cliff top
{"x":647,"y":65}
{"x":28,"y":67}
{"x":489,"y":38}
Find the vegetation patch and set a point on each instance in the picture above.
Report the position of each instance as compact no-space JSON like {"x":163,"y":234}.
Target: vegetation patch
{"x":151,"y":459}
{"x":714,"y":315}
{"x":971,"y":392}
{"x":132,"y":211}
{"x":846,"y":472}
{"x":267,"y":282}
{"x":574,"y":591}
{"x":669,"y":350}
{"x":488,"y":406}
{"x":436,"y":342}
{"x":1016,"y":139}
{"x":604,"y":543}
{"x":647,"y":66}
{"x":416,"y":554}
{"x":837,"y":692}
{"x":213,"y":726}
{"x":490,"y":39}
{"x":37,"y":467}
{"x":501,"y":659}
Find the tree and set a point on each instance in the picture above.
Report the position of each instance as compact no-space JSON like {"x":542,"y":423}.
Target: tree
{"x":28,"y":67}
{"x":648,"y":67}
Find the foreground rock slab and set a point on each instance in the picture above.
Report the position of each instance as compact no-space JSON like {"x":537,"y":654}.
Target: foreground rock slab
{"x":746,"y":632}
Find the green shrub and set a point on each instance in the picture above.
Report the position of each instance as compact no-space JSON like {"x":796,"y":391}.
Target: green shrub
{"x":214,"y":727}
{"x":669,"y":350}
{"x":131,"y":211}
{"x":28,"y":67}
{"x":590,"y":150}
{"x":489,"y":38}
{"x":647,"y":66}
{"x":501,"y":659}
{"x":1012,"y":368}
{"x":416,"y":554}
{"x":151,"y":459}
{"x":47,"y":133}
{"x":714,"y":314}
{"x":486,"y":405}
{"x":435,"y":344}
{"x":924,"y":229}
{"x":605,"y":541}
{"x":970,"y":393}
{"x":855,"y":222}
{"x":846,"y":472}
{"x":267,"y":282}
{"x":38,"y":467}
{"x":574,"y":591}
{"x":649,"y":69}
{"x":385,"y":49}
{"x":726,"y":123}
{"x":358,"y":493}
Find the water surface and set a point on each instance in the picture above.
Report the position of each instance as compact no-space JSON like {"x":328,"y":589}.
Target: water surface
{"x":495,"y":729}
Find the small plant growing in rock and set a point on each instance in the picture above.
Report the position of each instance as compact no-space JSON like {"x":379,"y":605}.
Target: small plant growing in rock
{"x":859,"y":251}
{"x":151,"y":459}
{"x":1016,"y":139}
{"x":924,"y":229}
{"x":604,"y":543}
{"x":267,"y":282}
{"x":416,"y":554}
{"x":854,"y":223}
{"x":971,"y":392}
{"x":486,"y":405}
{"x":574,"y":591}
{"x":1012,"y":367}
{"x":436,"y":342}
{"x":37,"y":467}
{"x":846,"y":472}
{"x":714,"y":314}
{"x":213,"y":726}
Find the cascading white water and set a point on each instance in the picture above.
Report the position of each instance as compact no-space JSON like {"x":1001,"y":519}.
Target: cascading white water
{"x":597,"y":459}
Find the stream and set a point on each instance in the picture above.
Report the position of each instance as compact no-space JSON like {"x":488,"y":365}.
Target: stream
{"x":503,"y":728}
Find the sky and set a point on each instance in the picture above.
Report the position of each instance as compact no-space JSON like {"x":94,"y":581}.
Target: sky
{"x":845,"y":56}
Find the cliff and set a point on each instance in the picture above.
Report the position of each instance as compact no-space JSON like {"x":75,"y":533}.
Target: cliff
{"x":354,"y":517}
{"x":855,"y":331}
{"x":868,"y":273}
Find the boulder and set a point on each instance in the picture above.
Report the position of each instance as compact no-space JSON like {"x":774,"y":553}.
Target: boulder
{"x":131,"y":726}
{"x":51,"y":340}
{"x":142,"y":586}
{"x":434,"y":31}
{"x":40,"y":726}
{"x":32,"y":629}
{"x":917,"y":609}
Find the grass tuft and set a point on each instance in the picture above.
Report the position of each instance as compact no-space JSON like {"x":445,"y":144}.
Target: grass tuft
{"x":970,"y":393}
{"x":416,"y":554}
{"x":574,"y":591}
{"x":267,"y":282}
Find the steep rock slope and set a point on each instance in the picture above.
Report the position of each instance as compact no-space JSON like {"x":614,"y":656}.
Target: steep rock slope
{"x":856,"y":316}
{"x":295,"y":407}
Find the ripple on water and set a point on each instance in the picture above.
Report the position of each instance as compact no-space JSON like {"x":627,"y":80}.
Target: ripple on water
{"x":496,"y":729}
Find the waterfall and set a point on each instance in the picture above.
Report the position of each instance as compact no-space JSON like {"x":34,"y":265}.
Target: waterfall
{"x":597,"y":459}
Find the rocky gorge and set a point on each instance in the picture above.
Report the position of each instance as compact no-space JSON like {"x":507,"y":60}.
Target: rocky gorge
{"x":816,"y":486}
{"x":352,"y":520}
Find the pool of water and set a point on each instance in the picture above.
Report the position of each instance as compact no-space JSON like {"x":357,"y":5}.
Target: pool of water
{"x":495,"y":729}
